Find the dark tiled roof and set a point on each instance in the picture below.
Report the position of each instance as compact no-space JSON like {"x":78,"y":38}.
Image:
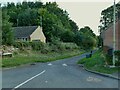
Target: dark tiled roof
{"x":24,"y":31}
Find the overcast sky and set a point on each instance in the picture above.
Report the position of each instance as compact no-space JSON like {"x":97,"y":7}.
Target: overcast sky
{"x":84,"y":13}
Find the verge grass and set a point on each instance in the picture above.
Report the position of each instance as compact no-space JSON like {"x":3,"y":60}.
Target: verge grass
{"x":97,"y":63}
{"x":36,"y":56}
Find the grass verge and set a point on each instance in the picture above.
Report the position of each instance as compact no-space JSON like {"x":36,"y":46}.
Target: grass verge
{"x":33,"y":57}
{"x":97,"y":63}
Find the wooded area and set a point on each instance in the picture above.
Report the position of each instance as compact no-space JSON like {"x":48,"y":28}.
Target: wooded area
{"x":55,"y":22}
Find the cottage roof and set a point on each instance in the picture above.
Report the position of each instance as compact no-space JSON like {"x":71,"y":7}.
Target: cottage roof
{"x":24,"y":31}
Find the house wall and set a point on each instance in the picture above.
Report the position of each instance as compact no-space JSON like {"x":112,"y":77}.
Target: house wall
{"x":38,"y":35}
{"x":108,"y":37}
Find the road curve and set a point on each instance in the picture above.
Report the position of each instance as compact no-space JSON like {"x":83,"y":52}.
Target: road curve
{"x":58,"y":74}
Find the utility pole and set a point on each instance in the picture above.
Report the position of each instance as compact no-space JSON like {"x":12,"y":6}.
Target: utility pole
{"x":114,"y":32}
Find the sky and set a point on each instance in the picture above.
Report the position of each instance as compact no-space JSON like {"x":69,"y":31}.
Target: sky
{"x":83,"y":12}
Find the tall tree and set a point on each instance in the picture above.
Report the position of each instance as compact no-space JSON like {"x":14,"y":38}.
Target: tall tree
{"x":107,"y":17}
{"x":7,"y":34}
{"x":88,"y":38}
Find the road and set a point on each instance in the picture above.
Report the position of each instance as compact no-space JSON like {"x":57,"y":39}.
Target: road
{"x":58,"y":74}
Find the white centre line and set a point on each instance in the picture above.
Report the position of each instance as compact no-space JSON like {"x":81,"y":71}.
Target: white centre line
{"x":64,"y":64}
{"x":28,"y":80}
{"x":50,"y":64}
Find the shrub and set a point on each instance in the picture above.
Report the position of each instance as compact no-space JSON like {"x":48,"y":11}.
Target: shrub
{"x":61,"y":46}
{"x":18,"y":45}
{"x":45,"y":49}
{"x":108,"y":59}
{"x":36,"y":45}
{"x":117,"y":55}
{"x":56,"y":46}
{"x":72,"y":46}
{"x":25,"y":44}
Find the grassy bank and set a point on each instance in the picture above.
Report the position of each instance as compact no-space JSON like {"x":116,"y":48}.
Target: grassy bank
{"x":97,"y":63}
{"x":36,"y":56}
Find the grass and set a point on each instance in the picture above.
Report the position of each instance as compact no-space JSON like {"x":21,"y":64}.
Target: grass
{"x":97,"y":63}
{"x":25,"y":58}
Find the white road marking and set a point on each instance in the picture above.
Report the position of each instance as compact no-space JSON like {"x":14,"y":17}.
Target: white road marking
{"x":46,"y":81}
{"x":64,"y":64}
{"x":28,"y":80}
{"x":49,"y":64}
{"x":92,"y":79}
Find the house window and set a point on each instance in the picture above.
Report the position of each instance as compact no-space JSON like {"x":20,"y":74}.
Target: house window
{"x":26,"y":39}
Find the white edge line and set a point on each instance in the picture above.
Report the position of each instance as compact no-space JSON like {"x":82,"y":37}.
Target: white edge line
{"x":28,"y":80}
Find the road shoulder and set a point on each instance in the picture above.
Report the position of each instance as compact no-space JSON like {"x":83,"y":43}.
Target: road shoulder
{"x":114,"y":76}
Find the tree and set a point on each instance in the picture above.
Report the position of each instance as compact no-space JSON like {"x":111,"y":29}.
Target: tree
{"x":74,"y":26}
{"x":7,"y":34}
{"x":78,"y":38}
{"x":68,"y":36}
{"x":28,"y":18}
{"x":55,"y":22}
{"x":107,"y":17}
{"x":88,"y":38}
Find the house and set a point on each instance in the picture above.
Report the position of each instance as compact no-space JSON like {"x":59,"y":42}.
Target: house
{"x":29,"y":33}
{"x":107,"y":36}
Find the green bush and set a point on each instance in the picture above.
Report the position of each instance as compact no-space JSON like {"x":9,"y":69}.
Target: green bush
{"x":18,"y":45}
{"x":108,"y":59}
{"x":117,"y":55}
{"x":36,"y":45}
{"x":61,"y":46}
{"x":45,"y":49}
{"x":25,"y":44}
{"x":70,"y":46}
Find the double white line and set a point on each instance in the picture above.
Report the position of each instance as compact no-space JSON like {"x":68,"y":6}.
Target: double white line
{"x":29,"y":80}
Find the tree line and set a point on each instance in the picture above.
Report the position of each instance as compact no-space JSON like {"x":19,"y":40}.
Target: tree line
{"x":107,"y":16}
{"x":55,"y":22}
{"x":107,"y":20}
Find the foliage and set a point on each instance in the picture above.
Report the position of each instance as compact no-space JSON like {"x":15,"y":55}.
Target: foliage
{"x":33,"y":57}
{"x":67,"y":36}
{"x":55,"y":22}
{"x":36,"y":45}
{"x":88,"y":38}
{"x":7,"y":33}
{"x":100,"y":41}
{"x":117,"y":54}
{"x":108,"y":59}
{"x":107,"y":17}
{"x":57,"y":46}
{"x":97,"y":63}
{"x":53,"y":19}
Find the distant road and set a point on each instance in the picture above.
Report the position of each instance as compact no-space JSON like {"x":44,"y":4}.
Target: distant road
{"x":58,"y":74}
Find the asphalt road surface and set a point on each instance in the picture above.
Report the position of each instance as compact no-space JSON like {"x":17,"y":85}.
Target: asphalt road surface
{"x":58,"y":74}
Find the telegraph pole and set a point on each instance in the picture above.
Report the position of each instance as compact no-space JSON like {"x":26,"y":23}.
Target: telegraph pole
{"x":114,"y":41}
